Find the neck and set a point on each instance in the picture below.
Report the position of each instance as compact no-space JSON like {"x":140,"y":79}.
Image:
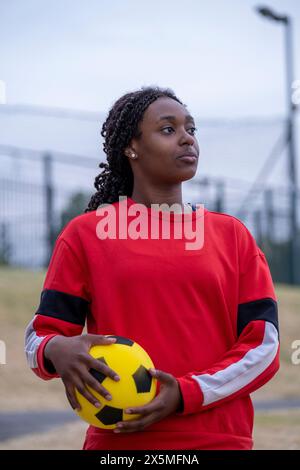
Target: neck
{"x":148,"y":196}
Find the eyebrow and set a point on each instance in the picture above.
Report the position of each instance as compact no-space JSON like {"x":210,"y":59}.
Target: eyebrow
{"x":188,"y":118}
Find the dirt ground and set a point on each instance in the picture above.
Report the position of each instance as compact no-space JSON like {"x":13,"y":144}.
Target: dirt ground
{"x":276,"y":430}
{"x":22,"y":391}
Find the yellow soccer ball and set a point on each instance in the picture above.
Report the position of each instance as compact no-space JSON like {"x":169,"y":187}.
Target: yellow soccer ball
{"x":136,"y":386}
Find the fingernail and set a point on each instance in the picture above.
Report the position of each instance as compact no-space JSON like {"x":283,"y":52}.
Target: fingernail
{"x":128,"y":412}
{"x":116,"y":377}
{"x":97,"y":405}
{"x":117,"y":430}
{"x":108,"y":397}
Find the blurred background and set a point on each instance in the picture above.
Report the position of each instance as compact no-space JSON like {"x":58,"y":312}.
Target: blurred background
{"x":63,"y":64}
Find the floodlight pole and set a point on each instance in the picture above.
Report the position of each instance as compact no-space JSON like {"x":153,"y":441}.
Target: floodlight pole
{"x":292,"y":167}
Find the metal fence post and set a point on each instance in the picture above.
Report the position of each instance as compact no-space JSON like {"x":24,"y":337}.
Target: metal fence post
{"x":269,"y":204}
{"x":258,"y":228}
{"x":5,"y":251}
{"x":49,"y":206}
{"x":220,"y":198}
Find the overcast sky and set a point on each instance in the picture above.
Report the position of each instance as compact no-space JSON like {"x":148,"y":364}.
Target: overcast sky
{"x":219,"y":56}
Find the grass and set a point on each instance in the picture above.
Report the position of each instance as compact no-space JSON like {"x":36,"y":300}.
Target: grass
{"x":19,"y":295}
{"x":21,"y":390}
{"x":278,"y":430}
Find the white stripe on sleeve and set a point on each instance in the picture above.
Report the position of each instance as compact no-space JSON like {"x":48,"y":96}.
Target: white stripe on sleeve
{"x":32,"y":342}
{"x":236,"y":376}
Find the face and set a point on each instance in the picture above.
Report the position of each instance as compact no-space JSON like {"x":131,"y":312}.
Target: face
{"x":165,"y":145}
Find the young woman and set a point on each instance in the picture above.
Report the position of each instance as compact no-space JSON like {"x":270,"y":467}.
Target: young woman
{"x":206,"y":316}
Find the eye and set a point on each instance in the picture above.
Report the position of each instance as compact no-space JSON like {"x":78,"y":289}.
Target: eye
{"x":169,"y":127}
{"x":193,"y":129}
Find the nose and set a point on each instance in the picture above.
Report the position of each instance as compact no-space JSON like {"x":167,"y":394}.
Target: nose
{"x":186,"y":138}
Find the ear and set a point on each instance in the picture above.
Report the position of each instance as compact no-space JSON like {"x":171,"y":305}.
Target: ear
{"x":128,"y":151}
{"x":131,"y":148}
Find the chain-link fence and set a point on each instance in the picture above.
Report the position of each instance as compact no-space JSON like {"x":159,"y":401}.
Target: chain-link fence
{"x":33,"y":213}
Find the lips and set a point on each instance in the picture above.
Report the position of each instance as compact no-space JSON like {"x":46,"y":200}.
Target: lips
{"x":188,"y":155}
{"x":188,"y":158}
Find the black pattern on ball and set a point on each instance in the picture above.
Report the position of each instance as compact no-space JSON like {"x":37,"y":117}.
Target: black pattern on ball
{"x":99,"y":376}
{"x":109,"y":415}
{"x":142,"y":379}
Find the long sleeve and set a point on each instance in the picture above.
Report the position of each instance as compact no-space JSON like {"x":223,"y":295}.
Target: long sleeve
{"x":254,"y":358}
{"x":64,"y":303}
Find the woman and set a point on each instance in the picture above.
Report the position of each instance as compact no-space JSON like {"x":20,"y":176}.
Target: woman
{"x":207,"y":316}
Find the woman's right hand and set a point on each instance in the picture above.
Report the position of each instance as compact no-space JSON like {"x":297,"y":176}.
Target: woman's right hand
{"x":72,"y":362}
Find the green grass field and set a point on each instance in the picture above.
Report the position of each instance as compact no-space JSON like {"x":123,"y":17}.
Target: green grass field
{"x":22,"y":390}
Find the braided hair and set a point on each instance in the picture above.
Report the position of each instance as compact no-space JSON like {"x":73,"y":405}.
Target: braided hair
{"x":120,"y":127}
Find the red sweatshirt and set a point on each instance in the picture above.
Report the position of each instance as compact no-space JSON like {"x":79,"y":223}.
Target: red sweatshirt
{"x":208,"y":316}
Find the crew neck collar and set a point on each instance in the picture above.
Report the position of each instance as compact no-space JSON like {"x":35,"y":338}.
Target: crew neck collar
{"x":173,"y":217}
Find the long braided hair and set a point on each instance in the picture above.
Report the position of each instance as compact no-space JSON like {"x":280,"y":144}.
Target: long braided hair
{"x":120,"y":127}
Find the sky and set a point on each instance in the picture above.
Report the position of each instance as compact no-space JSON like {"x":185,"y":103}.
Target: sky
{"x":219,"y":56}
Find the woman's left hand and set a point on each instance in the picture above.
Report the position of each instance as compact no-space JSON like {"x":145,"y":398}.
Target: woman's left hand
{"x":165,"y":403}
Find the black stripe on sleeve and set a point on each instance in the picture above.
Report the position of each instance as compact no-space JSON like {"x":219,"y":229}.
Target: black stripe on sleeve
{"x":63,"y":306}
{"x":262,"y":309}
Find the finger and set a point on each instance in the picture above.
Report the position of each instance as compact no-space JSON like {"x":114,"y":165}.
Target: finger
{"x":70,"y":393}
{"x":81,"y":387}
{"x":97,"y":365}
{"x":100,"y":339}
{"x":162,"y":376}
{"x":134,"y":425}
{"x":95,"y":385}
{"x":152,"y":407}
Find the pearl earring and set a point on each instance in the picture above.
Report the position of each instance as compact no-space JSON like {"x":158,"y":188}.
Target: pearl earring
{"x":133,"y":155}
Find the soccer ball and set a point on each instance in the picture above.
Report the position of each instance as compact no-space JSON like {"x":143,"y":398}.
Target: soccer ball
{"x":136,"y":386}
